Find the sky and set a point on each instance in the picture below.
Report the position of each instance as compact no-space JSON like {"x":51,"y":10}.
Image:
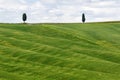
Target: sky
{"x":43,"y":11}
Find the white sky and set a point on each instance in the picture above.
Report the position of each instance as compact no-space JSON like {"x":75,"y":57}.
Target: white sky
{"x":59,"y":10}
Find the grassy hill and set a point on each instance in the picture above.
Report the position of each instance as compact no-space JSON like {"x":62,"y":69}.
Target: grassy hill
{"x":60,"y":51}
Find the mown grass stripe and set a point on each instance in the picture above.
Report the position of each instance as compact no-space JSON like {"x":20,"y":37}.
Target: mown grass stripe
{"x":46,"y":50}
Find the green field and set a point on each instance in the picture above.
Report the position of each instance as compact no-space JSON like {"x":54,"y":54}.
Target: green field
{"x":70,"y":51}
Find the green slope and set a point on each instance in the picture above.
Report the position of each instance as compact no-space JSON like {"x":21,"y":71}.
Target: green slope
{"x":60,"y":51}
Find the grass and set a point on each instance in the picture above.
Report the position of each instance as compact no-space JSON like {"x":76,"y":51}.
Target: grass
{"x":60,"y":51}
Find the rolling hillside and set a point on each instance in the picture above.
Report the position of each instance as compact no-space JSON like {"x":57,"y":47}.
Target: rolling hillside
{"x":60,"y":51}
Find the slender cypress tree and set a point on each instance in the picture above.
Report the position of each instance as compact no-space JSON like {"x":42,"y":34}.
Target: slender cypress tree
{"x":24,"y":17}
{"x":83,"y":18}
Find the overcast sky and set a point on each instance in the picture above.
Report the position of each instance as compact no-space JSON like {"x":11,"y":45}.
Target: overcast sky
{"x":59,"y":10}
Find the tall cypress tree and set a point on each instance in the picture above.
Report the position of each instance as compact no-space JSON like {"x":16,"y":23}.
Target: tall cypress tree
{"x":83,"y":18}
{"x":24,"y":17}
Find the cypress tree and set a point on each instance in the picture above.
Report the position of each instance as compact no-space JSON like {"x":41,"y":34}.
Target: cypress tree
{"x":83,"y":18}
{"x":24,"y":17}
